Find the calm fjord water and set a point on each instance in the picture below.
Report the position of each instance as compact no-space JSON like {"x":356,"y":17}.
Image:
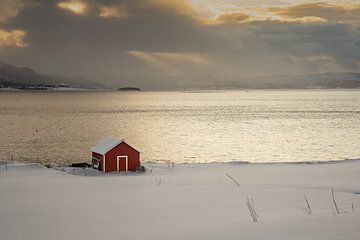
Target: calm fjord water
{"x":219,"y":126}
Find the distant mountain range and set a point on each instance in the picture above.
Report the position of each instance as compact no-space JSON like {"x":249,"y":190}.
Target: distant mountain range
{"x":220,"y":82}
{"x":11,"y":75}
{"x":321,"y":80}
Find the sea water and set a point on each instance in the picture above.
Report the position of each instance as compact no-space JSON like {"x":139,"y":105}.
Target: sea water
{"x":205,"y":126}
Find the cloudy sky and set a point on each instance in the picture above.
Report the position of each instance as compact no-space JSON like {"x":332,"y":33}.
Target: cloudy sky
{"x":155,"y":43}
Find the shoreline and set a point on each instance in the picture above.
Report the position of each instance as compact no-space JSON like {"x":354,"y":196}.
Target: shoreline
{"x":165,"y":162}
{"x":86,"y":90}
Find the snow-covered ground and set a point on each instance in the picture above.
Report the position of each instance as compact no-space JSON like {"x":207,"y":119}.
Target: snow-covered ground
{"x":189,"y":201}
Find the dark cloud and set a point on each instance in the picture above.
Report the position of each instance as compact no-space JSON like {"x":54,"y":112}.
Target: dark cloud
{"x":9,"y":9}
{"x":145,"y":42}
{"x":61,"y":42}
{"x":273,"y":47}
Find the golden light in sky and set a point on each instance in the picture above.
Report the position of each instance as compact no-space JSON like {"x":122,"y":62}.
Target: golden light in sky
{"x":216,"y":12}
{"x":108,"y":12}
{"x":12,"y":38}
{"x":169,"y":61}
{"x":169,"y":56}
{"x":76,"y":7}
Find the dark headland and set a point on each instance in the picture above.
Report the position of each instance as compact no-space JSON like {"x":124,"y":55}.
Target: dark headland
{"x":129,"y":89}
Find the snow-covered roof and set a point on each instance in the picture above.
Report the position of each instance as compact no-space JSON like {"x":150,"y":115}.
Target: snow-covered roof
{"x":109,"y":143}
{"x":106,"y":145}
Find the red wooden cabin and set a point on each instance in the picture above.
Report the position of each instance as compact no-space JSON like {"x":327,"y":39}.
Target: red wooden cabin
{"x":115,"y":155}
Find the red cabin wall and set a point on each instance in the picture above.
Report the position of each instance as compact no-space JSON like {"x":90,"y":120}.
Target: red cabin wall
{"x":123,"y":149}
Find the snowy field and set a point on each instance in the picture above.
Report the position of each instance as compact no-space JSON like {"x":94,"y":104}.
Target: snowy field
{"x":189,"y":201}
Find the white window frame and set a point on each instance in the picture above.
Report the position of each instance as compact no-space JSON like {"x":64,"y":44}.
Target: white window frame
{"x":96,"y":162}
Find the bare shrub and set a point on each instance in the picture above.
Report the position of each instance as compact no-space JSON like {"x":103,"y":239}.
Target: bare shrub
{"x":229,"y":176}
{"x":307,"y":210}
{"x":158,"y":181}
{"x":251,"y":207}
{"x":336,"y":209}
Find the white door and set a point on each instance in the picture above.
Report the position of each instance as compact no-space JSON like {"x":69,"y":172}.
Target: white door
{"x":122,"y":163}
